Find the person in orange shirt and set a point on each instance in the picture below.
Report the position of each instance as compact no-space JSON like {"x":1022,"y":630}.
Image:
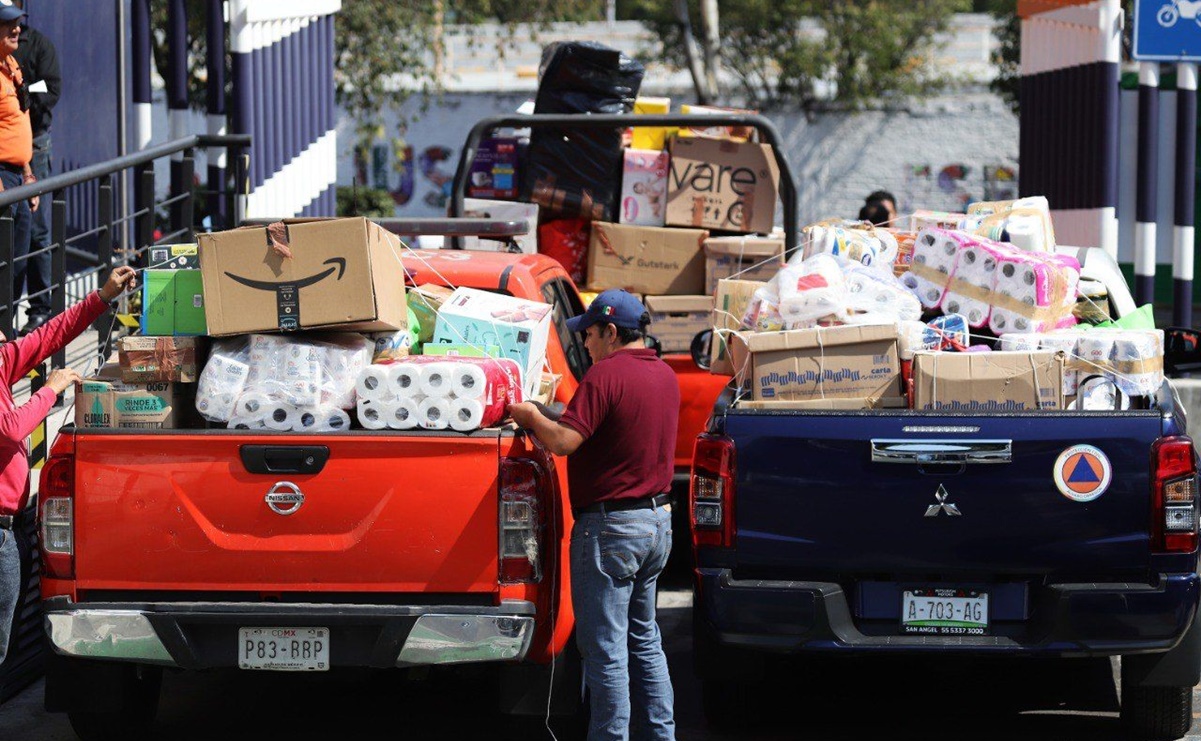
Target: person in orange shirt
{"x":16,"y":136}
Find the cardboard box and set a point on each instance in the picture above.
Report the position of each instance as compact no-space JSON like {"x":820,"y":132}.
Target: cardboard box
{"x":646,"y":259}
{"x":173,"y":303}
{"x":521,"y":328}
{"x":852,"y":362}
{"x":479,"y":208}
{"x":651,"y":137}
{"x":174,"y":257}
{"x":644,"y":187}
{"x":988,"y":381}
{"x":887,"y":402}
{"x":725,"y":185}
{"x":745,"y":258}
{"x":151,"y":359}
{"x":676,"y":320}
{"x":108,"y":402}
{"x":731,"y":301}
{"x":493,"y":172}
{"x":343,"y":273}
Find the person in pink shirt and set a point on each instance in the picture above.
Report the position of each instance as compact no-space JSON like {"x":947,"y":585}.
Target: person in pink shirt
{"x":17,"y":358}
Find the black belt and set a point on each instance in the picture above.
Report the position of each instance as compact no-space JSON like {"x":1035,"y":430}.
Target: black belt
{"x":618,"y":505}
{"x":6,"y":522}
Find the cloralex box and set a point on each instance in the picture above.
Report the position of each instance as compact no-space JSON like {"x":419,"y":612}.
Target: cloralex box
{"x":341,"y":273}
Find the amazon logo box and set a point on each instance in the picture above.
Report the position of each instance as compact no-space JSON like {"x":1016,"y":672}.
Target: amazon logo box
{"x":303,"y":274}
{"x":721,"y":184}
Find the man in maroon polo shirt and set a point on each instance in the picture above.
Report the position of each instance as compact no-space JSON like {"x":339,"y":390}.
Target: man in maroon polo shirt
{"x":17,"y":358}
{"x":619,"y":434}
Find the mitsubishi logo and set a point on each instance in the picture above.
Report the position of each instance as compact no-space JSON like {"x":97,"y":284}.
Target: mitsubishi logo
{"x":934,"y":510}
{"x":285,"y":498}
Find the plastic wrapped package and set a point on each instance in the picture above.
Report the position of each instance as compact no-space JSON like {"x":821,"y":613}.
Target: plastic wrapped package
{"x":1034,"y":293}
{"x":443,"y":392}
{"x":811,"y":293}
{"x":575,"y":173}
{"x":933,"y":266}
{"x":876,"y":298}
{"x":969,"y":291}
{"x":853,"y":242}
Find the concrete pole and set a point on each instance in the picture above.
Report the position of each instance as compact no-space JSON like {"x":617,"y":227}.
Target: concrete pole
{"x":1186,"y":164}
{"x":1148,"y":178}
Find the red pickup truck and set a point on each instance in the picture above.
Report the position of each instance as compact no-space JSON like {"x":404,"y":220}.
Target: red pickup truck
{"x":168,"y":549}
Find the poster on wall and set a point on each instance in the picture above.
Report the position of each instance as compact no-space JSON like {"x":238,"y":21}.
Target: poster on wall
{"x":952,"y":186}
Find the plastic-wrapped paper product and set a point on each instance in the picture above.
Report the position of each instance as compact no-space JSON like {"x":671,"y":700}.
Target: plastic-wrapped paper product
{"x":933,"y":266}
{"x":1033,"y":293}
{"x":877,"y":298}
{"x":404,"y":413}
{"x":856,"y":243}
{"x":252,"y":405}
{"x":922,"y":219}
{"x":223,"y":380}
{"x":975,"y":273}
{"x":373,"y":382}
{"x":763,"y":311}
{"x":281,"y":416}
{"x":1067,"y":344}
{"x":331,"y":419}
{"x":811,"y":291}
{"x":242,"y":423}
{"x":467,"y":414}
{"x":435,"y":379}
{"x":1137,"y":361}
{"x":1024,"y":342}
{"x":1024,"y":223}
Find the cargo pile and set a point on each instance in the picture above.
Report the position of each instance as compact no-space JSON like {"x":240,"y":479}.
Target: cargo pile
{"x":971,"y":312}
{"x":284,"y":327}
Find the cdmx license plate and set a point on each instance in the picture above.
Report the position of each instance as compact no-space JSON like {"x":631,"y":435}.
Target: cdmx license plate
{"x":944,"y":612}
{"x":284,"y":649}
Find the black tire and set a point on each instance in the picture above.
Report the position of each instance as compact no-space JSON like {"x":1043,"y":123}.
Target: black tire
{"x":132,"y":718}
{"x":1156,"y":713}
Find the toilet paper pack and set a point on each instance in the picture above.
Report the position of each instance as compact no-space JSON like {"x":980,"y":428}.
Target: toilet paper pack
{"x":520,"y":328}
{"x":934,"y":253}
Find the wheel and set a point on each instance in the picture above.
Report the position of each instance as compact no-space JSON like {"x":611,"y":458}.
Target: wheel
{"x":1167,"y":16}
{"x":132,"y":717}
{"x":1156,"y":713}
{"x":727,"y":705}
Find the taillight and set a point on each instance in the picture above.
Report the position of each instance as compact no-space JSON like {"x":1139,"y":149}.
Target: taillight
{"x":1174,"y":495}
{"x":711,"y":493}
{"x":57,"y":495}
{"x":524,"y":496}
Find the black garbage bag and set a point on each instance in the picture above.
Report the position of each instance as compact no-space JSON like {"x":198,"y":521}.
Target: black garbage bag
{"x":576,"y":173}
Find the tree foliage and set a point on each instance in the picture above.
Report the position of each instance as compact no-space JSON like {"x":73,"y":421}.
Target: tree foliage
{"x":851,"y":53}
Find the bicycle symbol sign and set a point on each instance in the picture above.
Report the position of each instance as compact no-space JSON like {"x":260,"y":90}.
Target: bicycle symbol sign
{"x":1167,"y":30}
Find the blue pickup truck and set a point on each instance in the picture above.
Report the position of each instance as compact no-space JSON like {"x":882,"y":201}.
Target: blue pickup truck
{"x":904,"y":532}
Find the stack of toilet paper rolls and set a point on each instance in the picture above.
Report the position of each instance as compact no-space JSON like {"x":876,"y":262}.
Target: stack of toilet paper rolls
{"x":300,"y":384}
{"x":437,"y":393}
{"x":1131,"y":358}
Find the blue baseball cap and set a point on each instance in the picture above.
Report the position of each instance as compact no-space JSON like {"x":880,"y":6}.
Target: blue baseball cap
{"x":613,"y":306}
{"x":9,"y":11}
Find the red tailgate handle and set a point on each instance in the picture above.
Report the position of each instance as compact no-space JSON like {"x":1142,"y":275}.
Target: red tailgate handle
{"x":284,"y":458}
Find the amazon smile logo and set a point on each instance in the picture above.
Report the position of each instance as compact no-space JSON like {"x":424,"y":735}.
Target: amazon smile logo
{"x":337,"y":264}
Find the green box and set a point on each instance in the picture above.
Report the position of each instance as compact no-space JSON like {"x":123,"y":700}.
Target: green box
{"x":466,"y":351}
{"x":172,"y":303}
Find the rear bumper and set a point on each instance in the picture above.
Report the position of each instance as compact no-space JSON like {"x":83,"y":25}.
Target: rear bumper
{"x":1066,"y":619}
{"x":200,"y":635}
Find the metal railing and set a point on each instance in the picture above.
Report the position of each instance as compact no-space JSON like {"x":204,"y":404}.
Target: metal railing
{"x":119,"y":235}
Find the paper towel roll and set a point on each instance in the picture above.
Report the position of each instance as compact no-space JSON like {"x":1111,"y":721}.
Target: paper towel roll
{"x":281,"y":416}
{"x":333,"y":419}
{"x":1095,"y":350}
{"x":435,"y":379}
{"x":216,"y":407}
{"x":434,"y":413}
{"x":252,"y":405}
{"x":405,"y":414}
{"x":307,"y":419}
{"x":372,"y":383}
{"x":1065,"y":343}
{"x":242,"y":423}
{"x":466,"y":414}
{"x":468,"y":381}
{"x":404,"y":380}
{"x":373,"y":414}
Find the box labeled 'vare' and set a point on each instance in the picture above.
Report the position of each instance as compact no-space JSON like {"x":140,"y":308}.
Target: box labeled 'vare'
{"x":721,"y":184}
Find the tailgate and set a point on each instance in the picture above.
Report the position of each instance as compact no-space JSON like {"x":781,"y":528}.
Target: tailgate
{"x":386,"y":512}
{"x":809,"y":495}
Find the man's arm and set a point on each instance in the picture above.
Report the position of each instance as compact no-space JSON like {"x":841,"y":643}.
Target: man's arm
{"x":558,"y":438}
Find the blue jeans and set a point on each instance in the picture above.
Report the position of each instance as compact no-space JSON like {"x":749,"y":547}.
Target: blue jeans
{"x":38,"y":267}
{"x":616,"y":559}
{"x":10,"y":586}
{"x":21,"y":224}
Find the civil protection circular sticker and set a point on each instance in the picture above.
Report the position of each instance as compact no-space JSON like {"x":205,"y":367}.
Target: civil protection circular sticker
{"x":1082,"y":473}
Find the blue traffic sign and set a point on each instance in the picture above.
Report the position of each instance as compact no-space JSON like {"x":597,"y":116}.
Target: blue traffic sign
{"x":1167,"y":30}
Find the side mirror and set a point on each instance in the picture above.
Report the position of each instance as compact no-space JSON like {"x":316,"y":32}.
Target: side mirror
{"x":701,"y":346}
{"x":1181,"y":351}
{"x":652,"y":342}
